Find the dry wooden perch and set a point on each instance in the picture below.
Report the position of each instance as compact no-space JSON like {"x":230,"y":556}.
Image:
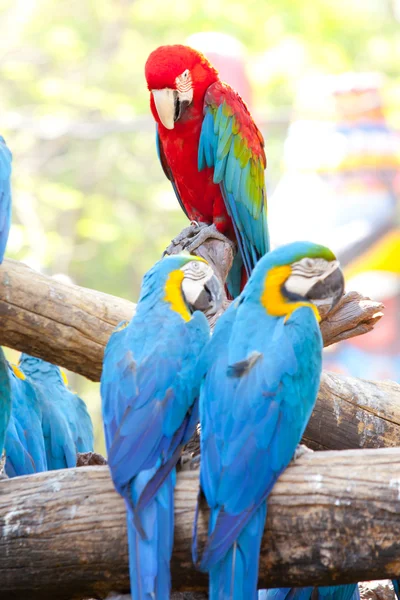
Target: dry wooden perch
{"x":70,"y":326}
{"x":354,"y":413}
{"x":333,"y":518}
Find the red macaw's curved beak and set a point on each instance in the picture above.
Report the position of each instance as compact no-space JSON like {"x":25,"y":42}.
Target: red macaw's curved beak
{"x":165,"y":105}
{"x":170,"y":105}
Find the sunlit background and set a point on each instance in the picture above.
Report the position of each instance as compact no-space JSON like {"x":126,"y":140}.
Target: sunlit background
{"x":90,"y":201}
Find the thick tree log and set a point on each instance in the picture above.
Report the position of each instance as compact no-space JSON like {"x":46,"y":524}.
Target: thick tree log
{"x":70,"y":326}
{"x":333,"y":517}
{"x":354,"y":413}
{"x":349,"y":413}
{"x":59,"y":322}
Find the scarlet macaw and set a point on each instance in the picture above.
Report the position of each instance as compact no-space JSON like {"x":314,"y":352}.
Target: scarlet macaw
{"x":149,"y":389}
{"x":212,"y":152}
{"x":66,"y":423}
{"x":5,"y":195}
{"x":263,"y":371}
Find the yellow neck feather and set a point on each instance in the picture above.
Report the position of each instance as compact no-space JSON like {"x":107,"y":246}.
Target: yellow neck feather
{"x":274,"y":301}
{"x":18,"y":372}
{"x":173,"y":294}
{"x":64,"y":377}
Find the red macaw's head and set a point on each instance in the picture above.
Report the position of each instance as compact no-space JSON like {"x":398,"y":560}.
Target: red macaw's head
{"x":177,"y":77}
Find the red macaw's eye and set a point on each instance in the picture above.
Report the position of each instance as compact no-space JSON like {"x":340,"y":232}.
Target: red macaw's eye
{"x":184,"y":82}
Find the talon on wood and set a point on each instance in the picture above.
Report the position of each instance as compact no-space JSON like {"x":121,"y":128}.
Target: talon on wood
{"x":206,"y":232}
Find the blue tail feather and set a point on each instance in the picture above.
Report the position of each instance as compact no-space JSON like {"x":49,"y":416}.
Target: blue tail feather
{"x":332,"y":592}
{"x":149,"y":558}
{"x":235,"y":576}
{"x":339,"y":592}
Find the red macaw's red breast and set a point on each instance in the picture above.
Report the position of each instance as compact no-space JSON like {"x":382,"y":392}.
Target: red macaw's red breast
{"x":201,"y":197}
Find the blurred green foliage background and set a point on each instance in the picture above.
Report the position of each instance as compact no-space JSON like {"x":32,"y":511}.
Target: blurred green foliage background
{"x":90,"y":199}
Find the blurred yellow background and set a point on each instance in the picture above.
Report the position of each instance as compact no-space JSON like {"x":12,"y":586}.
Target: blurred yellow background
{"x":90,"y":200}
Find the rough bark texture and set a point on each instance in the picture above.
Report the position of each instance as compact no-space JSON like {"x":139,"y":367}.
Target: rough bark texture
{"x":333,"y":517}
{"x":349,"y":413}
{"x":61,"y":323}
{"x":354,"y":413}
{"x":377,"y":590}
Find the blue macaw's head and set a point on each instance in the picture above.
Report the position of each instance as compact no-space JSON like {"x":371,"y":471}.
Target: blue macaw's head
{"x":187,"y":283}
{"x":39,"y":370}
{"x":294,"y":275}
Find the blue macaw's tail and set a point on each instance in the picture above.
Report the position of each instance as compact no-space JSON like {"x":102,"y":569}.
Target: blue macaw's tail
{"x":286,"y":594}
{"x":235,"y":576}
{"x":334,"y":592}
{"x":149,"y":557}
{"x":396,"y":585}
{"x":339,"y":592}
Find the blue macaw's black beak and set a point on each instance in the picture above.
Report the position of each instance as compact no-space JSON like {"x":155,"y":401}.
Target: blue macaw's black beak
{"x":209,"y":300}
{"x":332,"y":286}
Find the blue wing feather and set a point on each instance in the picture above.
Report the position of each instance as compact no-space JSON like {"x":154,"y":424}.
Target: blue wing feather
{"x":5,"y":195}
{"x":231,"y":143}
{"x":149,"y":388}
{"x":258,"y":439}
{"x":24,"y":442}
{"x":154,"y":394}
{"x":66,"y":423}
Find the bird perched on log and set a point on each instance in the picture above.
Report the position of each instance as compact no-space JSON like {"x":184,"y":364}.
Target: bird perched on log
{"x":212,"y":152}
{"x":5,"y":195}
{"x":5,"y":399}
{"x":24,"y":445}
{"x":149,"y":388}
{"x":263,"y":371}
{"x":67,"y":426}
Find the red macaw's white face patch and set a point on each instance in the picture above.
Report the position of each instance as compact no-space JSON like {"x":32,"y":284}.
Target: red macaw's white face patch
{"x":184,"y":84}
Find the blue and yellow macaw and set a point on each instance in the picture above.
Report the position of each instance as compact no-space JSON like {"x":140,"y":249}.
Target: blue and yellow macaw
{"x":66,"y":423}
{"x":263,"y":371}
{"x":149,"y":389}
{"x":335,"y":592}
{"x":5,"y":195}
{"x":24,"y":445}
{"x":5,"y":399}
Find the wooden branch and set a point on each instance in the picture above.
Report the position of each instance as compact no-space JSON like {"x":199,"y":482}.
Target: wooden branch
{"x":349,"y":413}
{"x":70,"y":326}
{"x":333,"y":517}
{"x":354,"y":315}
{"x":64,"y":324}
{"x":354,"y":413}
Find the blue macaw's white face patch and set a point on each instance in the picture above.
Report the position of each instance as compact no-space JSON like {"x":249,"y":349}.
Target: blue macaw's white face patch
{"x":307,"y":272}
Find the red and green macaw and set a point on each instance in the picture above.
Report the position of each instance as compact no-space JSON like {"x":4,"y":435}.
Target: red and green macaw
{"x":212,"y":152}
